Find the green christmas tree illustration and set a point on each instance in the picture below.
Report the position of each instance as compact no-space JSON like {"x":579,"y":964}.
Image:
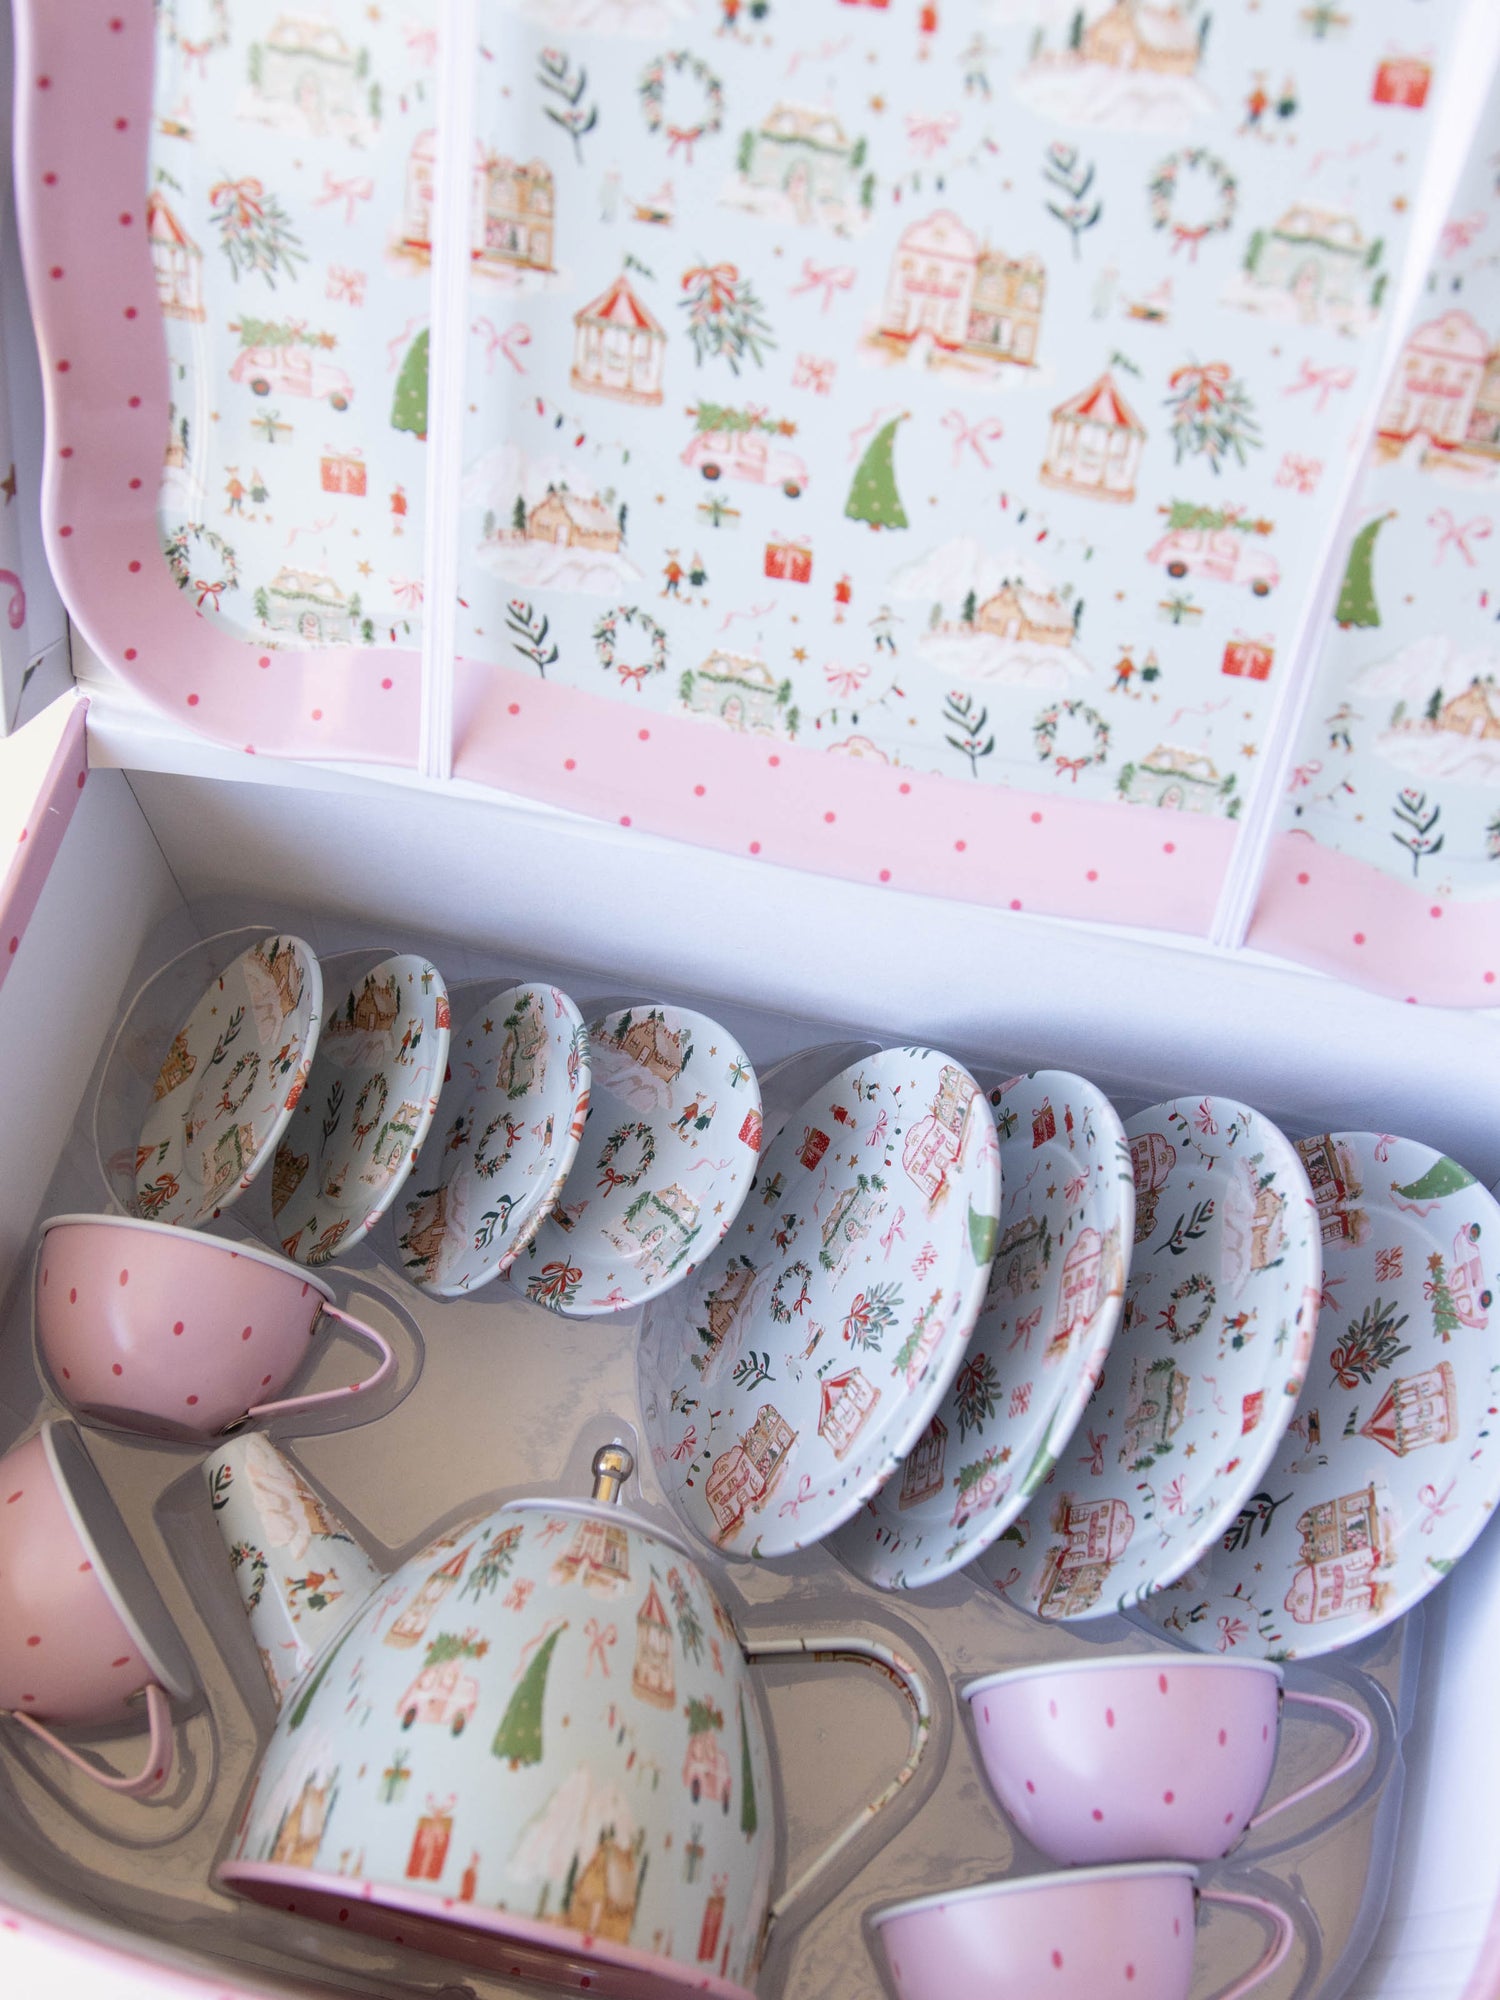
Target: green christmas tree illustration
{"x":1356,"y":605}
{"x":519,"y":1737}
{"x":749,"y":1819}
{"x":873,"y":496}
{"x":1442,"y":1177}
{"x":1439,"y":1295}
{"x":409,"y":409}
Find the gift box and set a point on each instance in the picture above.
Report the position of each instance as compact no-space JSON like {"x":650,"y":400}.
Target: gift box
{"x":1248,"y":659}
{"x":1403,"y":80}
{"x":791,"y":562}
{"x":344,"y":472}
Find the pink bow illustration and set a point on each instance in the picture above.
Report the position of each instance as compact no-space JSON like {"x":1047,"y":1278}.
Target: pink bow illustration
{"x":1301,"y":473}
{"x":928,"y":136}
{"x":599,"y":1636}
{"x":1231,"y":1631}
{"x":988,"y":430}
{"x":1322,"y":381}
{"x":827,"y":278}
{"x":794,"y":1505}
{"x":422,"y":44}
{"x":687,"y":1444}
{"x":1455,"y":534}
{"x":1459,"y":232}
{"x":814,"y":372}
{"x":846,"y":681}
{"x":359,"y":187}
{"x":1304,"y":774}
{"x":346,"y":284}
{"x":408,"y":592}
{"x":210,"y":590}
{"x":516,"y":335}
{"x":1434,"y":1505}
{"x":1073,"y":765}
{"x":634,"y":676}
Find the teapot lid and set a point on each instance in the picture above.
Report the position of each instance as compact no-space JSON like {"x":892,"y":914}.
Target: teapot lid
{"x":612,"y":1466}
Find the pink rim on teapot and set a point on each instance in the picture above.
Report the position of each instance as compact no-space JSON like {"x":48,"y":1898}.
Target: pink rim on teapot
{"x":83,"y":1632}
{"x":158,"y":1330}
{"x":1127,"y":1759}
{"x":1122,"y":1933}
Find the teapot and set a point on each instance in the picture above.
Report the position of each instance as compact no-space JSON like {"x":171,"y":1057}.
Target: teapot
{"x":536,"y":1747}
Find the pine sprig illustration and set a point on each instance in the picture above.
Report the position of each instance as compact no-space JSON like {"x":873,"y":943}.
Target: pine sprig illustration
{"x":565,"y":86}
{"x":533,"y":635}
{"x":970,"y":721}
{"x":1188,"y":1228}
{"x":1072,"y":177}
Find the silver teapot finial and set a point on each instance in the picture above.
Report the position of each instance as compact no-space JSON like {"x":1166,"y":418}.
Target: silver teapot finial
{"x":612,"y":1466}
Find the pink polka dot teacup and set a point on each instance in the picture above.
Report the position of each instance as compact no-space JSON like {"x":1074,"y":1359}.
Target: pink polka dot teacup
{"x":1109,"y":1760}
{"x":1099,"y":1934}
{"x":83,"y":1633}
{"x":152,"y":1328}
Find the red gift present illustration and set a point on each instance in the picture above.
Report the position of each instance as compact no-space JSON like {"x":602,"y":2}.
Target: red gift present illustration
{"x":1043,"y":1124}
{"x":1250,"y":659}
{"x":429,"y":1846}
{"x":713,"y":1918}
{"x":1403,"y":80}
{"x":814,"y":1146}
{"x":750,"y":1131}
{"x":790,"y":561}
{"x":344,"y":471}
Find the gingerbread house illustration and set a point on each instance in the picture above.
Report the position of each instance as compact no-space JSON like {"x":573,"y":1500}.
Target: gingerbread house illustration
{"x":1473,"y":712}
{"x":1267,"y":1228}
{"x":922,"y":1476}
{"x":1135,"y":34}
{"x":1154,"y":1411}
{"x":176,"y":261}
{"x":965,"y":298}
{"x":663,"y":1222}
{"x":1344,"y":1551}
{"x":1437,"y":383}
{"x":652,"y":1677}
{"x":178,"y":1066}
{"x":603,"y":1897}
{"x":300,"y":1834}
{"x":1175,"y":779}
{"x":1415,"y":1410}
{"x":1033,"y":617}
{"x":743,"y":1476}
{"x":618,"y":347}
{"x":722,"y":1308}
{"x":306,"y":66}
{"x":512,"y":208}
{"x":569,"y":521}
{"x":522,"y":1049}
{"x":739,"y":690}
{"x":1021,"y":1256}
{"x":1482,"y":432}
{"x":848,"y":1222}
{"x":287,"y":1172}
{"x":1094,"y":446}
{"x":843,"y":1407}
{"x":1095,"y":1535}
{"x":410,"y":1627}
{"x":1336,"y":1187}
{"x":307,"y":605}
{"x":598,"y":1557}
{"x":373,"y":1009}
{"x":1152,"y":1158}
{"x":286,"y":974}
{"x":1318,"y":257}
{"x":802,"y":152}
{"x":649,"y":1042}
{"x":1082,"y":1285}
{"x":233,"y":1152}
{"x":935,"y":1143}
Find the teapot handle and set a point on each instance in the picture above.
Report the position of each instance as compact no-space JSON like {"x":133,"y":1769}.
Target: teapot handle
{"x":844,"y":1648}
{"x":291,"y":1403}
{"x":152,"y":1775}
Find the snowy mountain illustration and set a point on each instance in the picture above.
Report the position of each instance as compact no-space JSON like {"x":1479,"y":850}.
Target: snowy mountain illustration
{"x":993,"y":617}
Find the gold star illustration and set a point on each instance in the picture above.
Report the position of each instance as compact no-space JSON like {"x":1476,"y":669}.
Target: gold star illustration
{"x":877,"y":102}
{"x":364,"y":568}
{"x":489,"y":1027}
{"x":1250,"y":749}
{"x":799,"y":654}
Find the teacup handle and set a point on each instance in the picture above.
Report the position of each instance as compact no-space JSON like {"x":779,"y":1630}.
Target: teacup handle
{"x":1276,"y":1953}
{"x":844,"y":1648}
{"x":153,"y":1774}
{"x":290,"y":1403}
{"x":1361,"y":1734}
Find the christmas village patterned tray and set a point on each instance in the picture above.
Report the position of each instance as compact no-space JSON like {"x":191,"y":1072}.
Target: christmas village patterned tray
{"x":896,"y":441}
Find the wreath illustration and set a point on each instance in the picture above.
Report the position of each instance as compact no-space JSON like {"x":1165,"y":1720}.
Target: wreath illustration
{"x":1199,"y":1285}
{"x":1044,"y":734}
{"x":179,"y":548}
{"x":249,"y":1061}
{"x":607,"y":630}
{"x":779,"y":1309}
{"x":652,"y":91}
{"x":216,"y":38}
{"x":363,"y":1126}
{"x":246,"y":1552}
{"x":612,"y":1146}
{"x":1163,"y":190}
{"x":484,"y":1165}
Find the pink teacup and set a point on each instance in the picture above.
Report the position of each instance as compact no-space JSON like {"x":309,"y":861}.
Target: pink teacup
{"x":82,"y":1630}
{"x":1134,"y":1759}
{"x":1098,"y":1934}
{"x":158,"y":1329}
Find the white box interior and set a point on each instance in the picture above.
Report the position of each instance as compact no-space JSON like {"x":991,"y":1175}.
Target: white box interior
{"x":511,"y":1400}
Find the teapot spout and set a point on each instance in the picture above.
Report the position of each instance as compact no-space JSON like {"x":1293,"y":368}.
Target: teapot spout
{"x":302,"y":1576}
